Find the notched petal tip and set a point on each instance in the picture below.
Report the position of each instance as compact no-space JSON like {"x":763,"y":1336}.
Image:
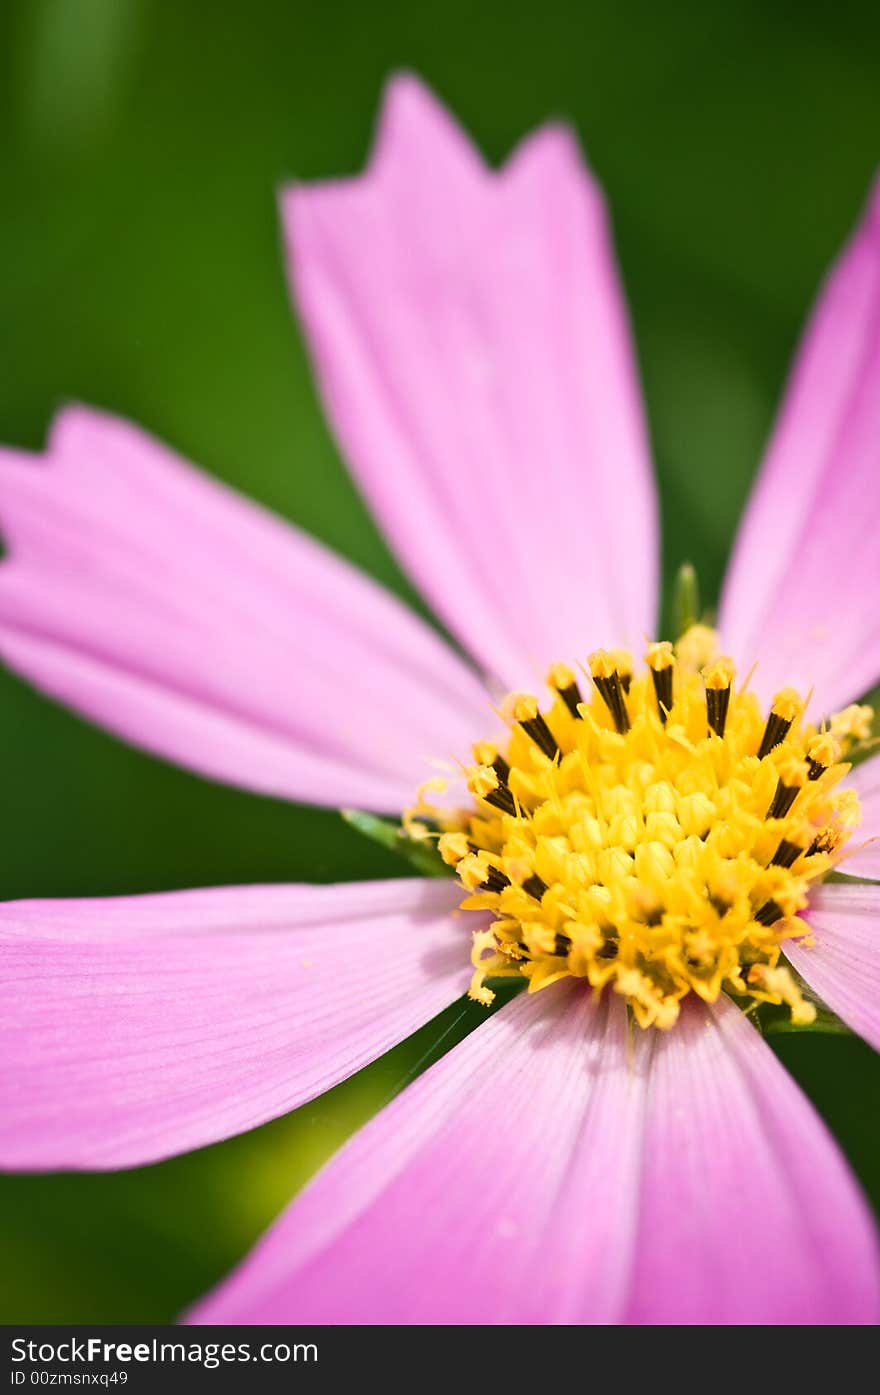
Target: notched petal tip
{"x":76,"y":426}
{"x":556,"y":149}
{"x":416,"y":138}
{"x":414,"y":125}
{"x":494,"y":297}
{"x":804,"y":556}
{"x":171,"y":610}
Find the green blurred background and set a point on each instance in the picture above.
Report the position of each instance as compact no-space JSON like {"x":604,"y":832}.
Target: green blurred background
{"x":142,"y":145}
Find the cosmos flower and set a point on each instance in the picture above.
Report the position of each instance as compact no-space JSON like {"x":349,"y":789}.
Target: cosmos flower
{"x":645,"y":846}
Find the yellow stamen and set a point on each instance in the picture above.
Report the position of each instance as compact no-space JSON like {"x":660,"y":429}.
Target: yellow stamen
{"x":663,"y":852}
{"x":825,"y":750}
{"x":452,"y":847}
{"x":660,"y":655}
{"x":697,"y":647}
{"x":482,"y":781}
{"x":602,"y":664}
{"x":853,"y":723}
{"x":523,"y":707}
{"x":787,"y":704}
{"x":560,"y":677}
{"x":719,"y":674}
{"x":472,"y":872}
{"x":485,"y":753}
{"x":624,"y":662}
{"x":777,"y":985}
{"x":660,"y":659}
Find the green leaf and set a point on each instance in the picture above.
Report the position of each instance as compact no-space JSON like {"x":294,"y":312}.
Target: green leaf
{"x":826,"y":1022}
{"x":686,"y":599}
{"x":420,"y":854}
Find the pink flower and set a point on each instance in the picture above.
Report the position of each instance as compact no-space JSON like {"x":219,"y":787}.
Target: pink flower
{"x":558,"y":1165}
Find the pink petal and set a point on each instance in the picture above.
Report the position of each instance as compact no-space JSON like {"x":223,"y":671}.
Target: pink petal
{"x":504,"y":1187}
{"x":800,"y":593}
{"x":865,"y":861}
{"x":464,"y":1200}
{"x":143,"y":1026}
{"x":195,"y":624}
{"x":749,"y":1213}
{"x":474,"y":356}
{"x":843,"y":963}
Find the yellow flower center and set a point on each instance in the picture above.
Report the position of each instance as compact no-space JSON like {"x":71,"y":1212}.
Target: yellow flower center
{"x":657,"y":835}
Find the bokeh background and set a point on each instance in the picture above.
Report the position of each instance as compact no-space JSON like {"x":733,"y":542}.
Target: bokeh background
{"x":141,"y":146}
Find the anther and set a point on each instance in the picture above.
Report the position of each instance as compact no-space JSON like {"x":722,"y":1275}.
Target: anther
{"x":496,"y":880}
{"x":770,"y":912}
{"x":792,"y":776}
{"x":502,"y":769}
{"x":484,"y":783}
{"x":786,"y":707}
{"x":487,"y":754}
{"x":822,"y":753}
{"x":786,"y":854}
{"x":717,"y":678}
{"x":478,"y":875}
{"x":853,"y":723}
{"x":782,"y":800}
{"x":624,"y":662}
{"x":534,"y":886}
{"x":452,"y":847}
{"x":563,"y":681}
{"x":825,"y":842}
{"x":603,"y":668}
{"x":525,"y":711}
{"x":660,"y":661}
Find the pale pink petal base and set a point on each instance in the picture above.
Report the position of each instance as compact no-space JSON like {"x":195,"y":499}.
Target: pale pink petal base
{"x":842,"y":964}
{"x":548,"y":1171}
{"x":800,"y":595}
{"x":474,"y":356}
{"x":195,"y":624}
{"x":139,"y":1027}
{"x":749,"y":1213}
{"x":499,"y":1187}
